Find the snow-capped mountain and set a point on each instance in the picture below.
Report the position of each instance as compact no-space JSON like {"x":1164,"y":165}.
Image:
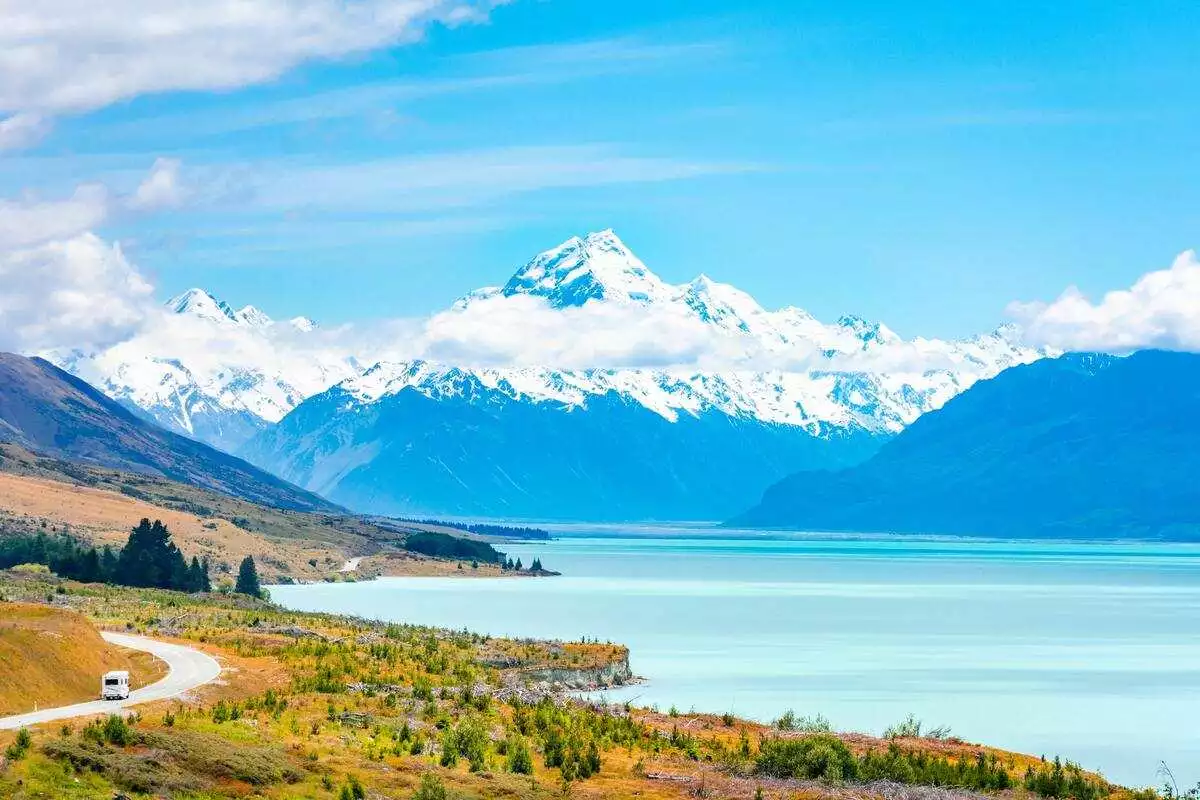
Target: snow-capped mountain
{"x":851,"y":374}
{"x":784,"y":391}
{"x":210,"y":371}
{"x":681,"y":442}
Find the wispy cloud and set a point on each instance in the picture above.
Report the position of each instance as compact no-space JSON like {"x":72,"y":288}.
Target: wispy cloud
{"x":465,"y":178}
{"x":70,"y":56}
{"x":479,"y":72}
{"x":969,"y":118}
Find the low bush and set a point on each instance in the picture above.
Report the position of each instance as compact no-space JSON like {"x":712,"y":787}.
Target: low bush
{"x":821,"y":757}
{"x":181,"y":761}
{"x":217,"y":757}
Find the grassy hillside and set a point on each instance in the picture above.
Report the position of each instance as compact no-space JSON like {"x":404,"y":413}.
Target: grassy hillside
{"x":100,"y":505}
{"x":51,"y":412}
{"x":335,"y":708}
{"x":53,"y":656}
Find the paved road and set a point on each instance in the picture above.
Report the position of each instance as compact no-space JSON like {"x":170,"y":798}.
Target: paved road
{"x":186,"y":669}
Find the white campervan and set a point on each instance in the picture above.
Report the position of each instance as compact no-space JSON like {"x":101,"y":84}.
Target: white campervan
{"x":115,"y":685}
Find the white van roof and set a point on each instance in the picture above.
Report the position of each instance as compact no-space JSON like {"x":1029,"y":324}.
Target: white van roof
{"x":117,"y":673}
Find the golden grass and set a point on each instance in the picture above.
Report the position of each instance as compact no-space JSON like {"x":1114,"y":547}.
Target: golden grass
{"x":105,"y":517}
{"x":52,"y":656}
{"x":101,"y":506}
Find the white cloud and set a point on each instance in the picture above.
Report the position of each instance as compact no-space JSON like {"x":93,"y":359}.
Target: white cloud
{"x":491,"y":70}
{"x":1160,"y":310}
{"x":466,"y":178}
{"x":70,"y":292}
{"x":524,"y":331}
{"x":61,"y":285}
{"x":70,"y":56}
{"x":162,"y":188}
{"x":31,"y":220}
{"x":22,"y":130}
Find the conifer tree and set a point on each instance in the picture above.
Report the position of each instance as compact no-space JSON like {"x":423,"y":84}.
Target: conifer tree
{"x":108,"y":565}
{"x":198,"y":576}
{"x":247,"y":579}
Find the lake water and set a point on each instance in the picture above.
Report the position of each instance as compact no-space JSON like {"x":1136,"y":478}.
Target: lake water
{"x":1091,"y":651}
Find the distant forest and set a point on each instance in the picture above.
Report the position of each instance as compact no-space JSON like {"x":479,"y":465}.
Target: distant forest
{"x":442,"y":545}
{"x":485,"y":529}
{"x":149,"y":559}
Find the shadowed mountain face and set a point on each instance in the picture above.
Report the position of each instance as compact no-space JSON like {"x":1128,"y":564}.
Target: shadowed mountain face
{"x":1080,"y":446}
{"x":481,"y":453}
{"x":55,"y":414}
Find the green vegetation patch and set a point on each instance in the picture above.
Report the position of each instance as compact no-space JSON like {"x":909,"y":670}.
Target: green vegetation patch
{"x":443,"y":545}
{"x":181,"y":761}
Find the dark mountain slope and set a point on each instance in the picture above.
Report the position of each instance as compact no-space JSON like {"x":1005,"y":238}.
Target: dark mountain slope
{"x":1083,"y":445}
{"x":478,"y":453}
{"x":55,"y":414}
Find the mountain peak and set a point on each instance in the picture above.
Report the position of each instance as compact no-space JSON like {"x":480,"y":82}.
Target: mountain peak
{"x":253,"y":317}
{"x":868,"y":332}
{"x":598,"y":266}
{"x":199,"y":303}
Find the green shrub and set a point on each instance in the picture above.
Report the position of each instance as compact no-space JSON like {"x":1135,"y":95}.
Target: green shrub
{"x":216,"y":757}
{"x":117,"y":731}
{"x":430,"y":788}
{"x":1059,"y":780}
{"x":20,"y":746}
{"x":520,"y":760}
{"x":821,"y":757}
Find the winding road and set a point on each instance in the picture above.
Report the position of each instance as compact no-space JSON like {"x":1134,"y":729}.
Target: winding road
{"x":186,"y":669}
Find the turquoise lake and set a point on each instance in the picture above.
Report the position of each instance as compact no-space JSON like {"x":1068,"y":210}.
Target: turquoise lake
{"x":1091,"y":651}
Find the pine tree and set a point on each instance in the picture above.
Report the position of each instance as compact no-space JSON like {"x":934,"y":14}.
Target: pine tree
{"x":247,"y":579}
{"x":197,"y":578}
{"x":108,"y":565}
{"x":90,"y":570}
{"x":517,"y":566}
{"x":151,"y":559}
{"x":536,"y":566}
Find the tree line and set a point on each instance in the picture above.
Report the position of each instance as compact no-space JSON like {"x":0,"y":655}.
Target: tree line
{"x":149,"y":559}
{"x":484,"y":528}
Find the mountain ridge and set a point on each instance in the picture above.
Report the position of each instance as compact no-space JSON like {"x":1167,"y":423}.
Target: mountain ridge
{"x":51,"y":412}
{"x":1081,"y":445}
{"x":223,"y":375}
{"x":478,"y":452}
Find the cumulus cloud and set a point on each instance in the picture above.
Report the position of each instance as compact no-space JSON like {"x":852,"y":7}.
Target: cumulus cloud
{"x":524,"y":331}
{"x":492,"y":330}
{"x":70,"y":56}
{"x":61,"y":285}
{"x":31,"y":220}
{"x":70,"y":292}
{"x":161,"y":189}
{"x":1160,"y":310}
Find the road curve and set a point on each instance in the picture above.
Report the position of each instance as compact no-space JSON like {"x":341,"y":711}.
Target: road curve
{"x":186,"y":669}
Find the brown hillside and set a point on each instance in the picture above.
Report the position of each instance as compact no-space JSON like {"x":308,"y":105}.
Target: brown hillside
{"x":52,"y":656}
{"x":48,"y":411}
{"x":100,"y":505}
{"x":105,"y":517}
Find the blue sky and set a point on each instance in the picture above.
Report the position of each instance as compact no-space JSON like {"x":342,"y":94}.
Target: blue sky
{"x":923,"y":165}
